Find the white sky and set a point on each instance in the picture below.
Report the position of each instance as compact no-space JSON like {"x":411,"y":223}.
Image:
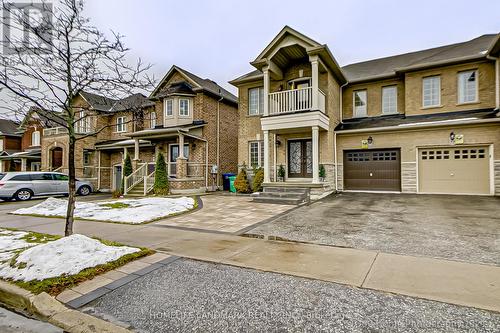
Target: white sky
{"x":217,"y":39}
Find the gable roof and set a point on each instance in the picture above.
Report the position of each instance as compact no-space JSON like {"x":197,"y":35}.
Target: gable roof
{"x":106,"y":104}
{"x":476,"y":48}
{"x":8,"y":127}
{"x":206,"y":85}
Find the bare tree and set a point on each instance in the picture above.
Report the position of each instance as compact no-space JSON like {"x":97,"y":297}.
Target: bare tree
{"x":56,"y":58}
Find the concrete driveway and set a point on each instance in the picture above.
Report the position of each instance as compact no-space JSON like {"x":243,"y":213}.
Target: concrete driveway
{"x":465,"y":228}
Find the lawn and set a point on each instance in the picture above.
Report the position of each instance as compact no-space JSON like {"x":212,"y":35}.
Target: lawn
{"x":41,"y":262}
{"x":131,"y":211}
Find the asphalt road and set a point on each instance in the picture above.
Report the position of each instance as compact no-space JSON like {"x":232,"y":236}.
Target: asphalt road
{"x":194,"y":296}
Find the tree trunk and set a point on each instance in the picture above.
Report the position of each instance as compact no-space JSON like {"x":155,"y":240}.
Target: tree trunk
{"x":72,"y":187}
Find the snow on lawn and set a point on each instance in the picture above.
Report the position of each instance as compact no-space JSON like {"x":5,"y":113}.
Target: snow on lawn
{"x":65,"y":256}
{"x":126,"y":210}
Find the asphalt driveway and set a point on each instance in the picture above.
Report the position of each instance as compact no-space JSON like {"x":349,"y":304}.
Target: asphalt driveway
{"x":465,"y":228}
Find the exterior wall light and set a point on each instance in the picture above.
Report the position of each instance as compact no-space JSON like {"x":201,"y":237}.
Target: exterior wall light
{"x":369,"y":140}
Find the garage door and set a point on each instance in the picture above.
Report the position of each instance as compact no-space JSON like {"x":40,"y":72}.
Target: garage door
{"x":456,"y":170}
{"x":372,"y":170}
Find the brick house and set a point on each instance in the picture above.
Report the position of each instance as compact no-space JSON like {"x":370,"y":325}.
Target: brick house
{"x":10,"y":145}
{"x":422,"y":122}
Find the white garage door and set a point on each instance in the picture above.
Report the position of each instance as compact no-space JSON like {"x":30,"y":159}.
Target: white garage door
{"x":456,"y":170}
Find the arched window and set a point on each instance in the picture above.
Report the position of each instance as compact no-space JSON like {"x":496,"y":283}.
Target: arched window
{"x":35,"y":138}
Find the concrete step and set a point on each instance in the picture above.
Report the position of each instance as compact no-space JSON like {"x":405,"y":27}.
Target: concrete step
{"x":275,"y":189}
{"x":291,"y":195}
{"x":280,"y":201}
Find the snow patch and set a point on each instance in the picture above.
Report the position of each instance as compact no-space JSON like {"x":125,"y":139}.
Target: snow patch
{"x":138,"y":210}
{"x":65,"y":256}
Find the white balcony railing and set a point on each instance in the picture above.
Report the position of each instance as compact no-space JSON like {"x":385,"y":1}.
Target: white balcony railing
{"x":294,"y":100}
{"x":55,"y":131}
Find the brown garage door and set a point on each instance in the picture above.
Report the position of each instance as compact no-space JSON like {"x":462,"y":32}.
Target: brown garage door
{"x":456,"y":170}
{"x":372,"y":170}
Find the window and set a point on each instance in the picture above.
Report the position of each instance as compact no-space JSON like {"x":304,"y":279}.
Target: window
{"x":120,"y":124}
{"x":184,"y":107}
{"x":431,"y":91}
{"x":256,"y":149}
{"x":152,"y":116}
{"x":389,"y":100}
{"x":25,"y":178}
{"x":82,"y":125}
{"x":359,"y":103}
{"x":467,"y":87}
{"x":60,"y":177}
{"x":41,"y":176}
{"x":87,"y":157}
{"x":35,"y":138}
{"x":256,"y":101}
{"x":169,"y":108}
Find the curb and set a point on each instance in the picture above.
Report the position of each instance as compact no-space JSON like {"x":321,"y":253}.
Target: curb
{"x":48,"y":309}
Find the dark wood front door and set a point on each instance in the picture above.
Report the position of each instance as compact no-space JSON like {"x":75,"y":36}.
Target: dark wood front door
{"x":375,"y":170}
{"x":57,"y":158}
{"x":300,"y":158}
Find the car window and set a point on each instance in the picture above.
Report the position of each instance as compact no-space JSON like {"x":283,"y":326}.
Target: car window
{"x":41,"y":176}
{"x":60,"y":177}
{"x":21,"y":178}
{"x":2,"y":175}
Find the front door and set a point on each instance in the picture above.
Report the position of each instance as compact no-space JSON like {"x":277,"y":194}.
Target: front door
{"x":117,"y":177}
{"x":300,"y":158}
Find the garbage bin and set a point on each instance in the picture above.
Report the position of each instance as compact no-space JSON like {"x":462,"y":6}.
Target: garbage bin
{"x":231,"y":184}
{"x":225,"y":181}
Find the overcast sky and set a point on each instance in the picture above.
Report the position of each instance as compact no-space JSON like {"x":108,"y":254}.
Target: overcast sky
{"x":217,"y":39}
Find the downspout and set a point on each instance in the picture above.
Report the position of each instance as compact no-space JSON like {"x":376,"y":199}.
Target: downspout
{"x":218,"y":137}
{"x":99,"y":170}
{"x":335,"y":138}
{"x":497,"y":80}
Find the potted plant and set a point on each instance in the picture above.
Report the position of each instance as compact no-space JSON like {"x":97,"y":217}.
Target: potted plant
{"x":281,"y":173}
{"x":322,"y":173}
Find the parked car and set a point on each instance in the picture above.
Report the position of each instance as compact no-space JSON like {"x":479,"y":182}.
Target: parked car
{"x":25,"y":185}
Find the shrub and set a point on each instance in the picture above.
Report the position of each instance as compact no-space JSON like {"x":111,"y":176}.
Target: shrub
{"x":241,"y":182}
{"x":116,"y":194}
{"x":127,"y":171}
{"x":258,"y":179}
{"x":322,"y":171}
{"x":161,"y":186}
{"x":281,"y":171}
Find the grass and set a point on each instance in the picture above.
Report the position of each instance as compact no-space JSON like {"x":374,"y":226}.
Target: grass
{"x":55,"y":285}
{"x":115,"y":205}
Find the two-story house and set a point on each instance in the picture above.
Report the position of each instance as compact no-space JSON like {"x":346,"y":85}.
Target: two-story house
{"x":10,"y":145}
{"x":424,"y":122}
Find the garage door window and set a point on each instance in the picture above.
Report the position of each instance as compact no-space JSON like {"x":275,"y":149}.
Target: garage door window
{"x":385,"y":156}
{"x":469,"y":153}
{"x":358,"y":157}
{"x":435,"y":154}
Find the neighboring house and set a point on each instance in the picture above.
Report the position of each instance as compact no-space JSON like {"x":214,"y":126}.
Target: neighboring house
{"x":422,"y":122}
{"x":10,"y":144}
{"x":195,"y":125}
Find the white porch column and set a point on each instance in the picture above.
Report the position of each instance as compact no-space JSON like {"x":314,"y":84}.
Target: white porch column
{"x":124,"y":154}
{"x":315,"y":153}
{"x":267,"y":177}
{"x":265,"y":70}
{"x":23,"y":164}
{"x":136,"y":149}
{"x":1,"y":166}
{"x":274,"y":157}
{"x":314,"y":82}
{"x":181,"y":145}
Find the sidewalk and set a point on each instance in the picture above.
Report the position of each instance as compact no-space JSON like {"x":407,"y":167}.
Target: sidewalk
{"x":435,"y":279}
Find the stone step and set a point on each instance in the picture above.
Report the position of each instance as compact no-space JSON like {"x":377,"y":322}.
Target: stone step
{"x":291,"y":195}
{"x":286,"y":189}
{"x":280,"y":201}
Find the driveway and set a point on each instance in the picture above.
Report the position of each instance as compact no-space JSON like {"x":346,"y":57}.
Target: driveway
{"x":465,"y":228}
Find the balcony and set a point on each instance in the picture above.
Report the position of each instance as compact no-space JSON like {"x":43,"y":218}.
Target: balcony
{"x":55,"y":131}
{"x":295,"y":100}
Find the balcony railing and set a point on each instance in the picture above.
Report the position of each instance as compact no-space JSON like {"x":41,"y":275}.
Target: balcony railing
{"x":294,"y":100}
{"x":195,"y":169}
{"x":55,"y":131}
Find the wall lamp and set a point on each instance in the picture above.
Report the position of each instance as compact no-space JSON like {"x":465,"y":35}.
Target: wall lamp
{"x":369,"y":140}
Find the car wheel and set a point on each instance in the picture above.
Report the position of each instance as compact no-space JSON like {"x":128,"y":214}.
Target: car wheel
{"x":84,"y":190}
{"x":23,"y":195}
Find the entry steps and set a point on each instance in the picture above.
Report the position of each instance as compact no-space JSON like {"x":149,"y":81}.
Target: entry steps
{"x":283,"y":195}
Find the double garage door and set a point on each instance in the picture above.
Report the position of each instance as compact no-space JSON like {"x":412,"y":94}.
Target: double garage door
{"x":454,"y":170}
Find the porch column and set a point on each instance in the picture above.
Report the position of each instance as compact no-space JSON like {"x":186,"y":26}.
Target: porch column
{"x":23,"y":164}
{"x":136,"y":149}
{"x":267,"y":177}
{"x":315,"y":153}
{"x":181,"y":146}
{"x":265,"y":70}
{"x":1,"y":166}
{"x":314,"y":82}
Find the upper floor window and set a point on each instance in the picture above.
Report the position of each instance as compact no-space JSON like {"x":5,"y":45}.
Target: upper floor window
{"x":467,"y":86}
{"x":152,"y":116}
{"x":82,"y":125}
{"x":359,"y":103}
{"x":389,"y":100}
{"x":120,"y":124}
{"x":431,"y":91}
{"x":184,"y":107}
{"x":169,"y":107}
{"x":256,"y":150}
{"x":255,"y":101}
{"x":35,"y":138}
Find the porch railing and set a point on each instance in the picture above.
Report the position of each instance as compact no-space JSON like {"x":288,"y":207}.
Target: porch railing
{"x":195,"y":169}
{"x":295,"y":100}
{"x":149,"y":182}
{"x":135,"y":178}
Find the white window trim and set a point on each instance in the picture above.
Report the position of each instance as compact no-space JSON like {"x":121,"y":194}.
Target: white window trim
{"x":259,"y":111}
{"x":165,"y":103}
{"x":396,"y":101}
{"x":37,"y":142}
{"x":476,"y":100}
{"x":260,"y":156}
{"x":439,"y":93}
{"x":123,"y":124}
{"x":188,"y":107}
{"x":152,"y":119}
{"x":354,"y":115}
